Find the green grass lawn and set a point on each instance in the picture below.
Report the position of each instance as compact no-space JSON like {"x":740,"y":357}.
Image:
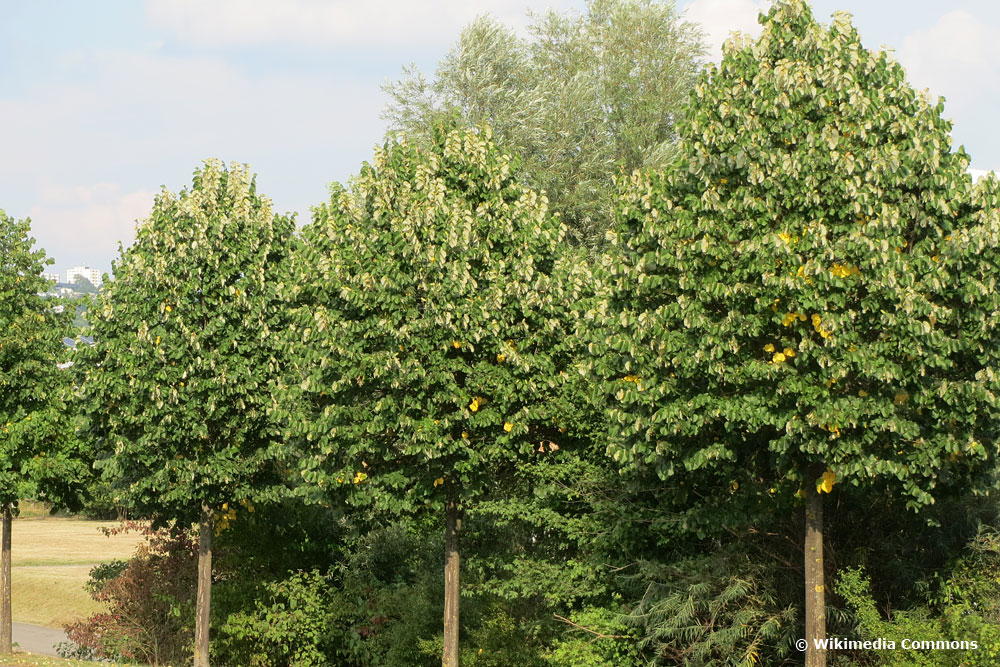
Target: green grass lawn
{"x":51,"y":561}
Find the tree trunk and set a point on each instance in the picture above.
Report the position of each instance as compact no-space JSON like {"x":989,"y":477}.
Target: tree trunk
{"x":201,"y":622}
{"x":453,"y":525}
{"x":815,"y":582}
{"x":6,"y":628}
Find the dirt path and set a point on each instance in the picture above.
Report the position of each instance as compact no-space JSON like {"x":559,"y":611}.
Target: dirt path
{"x":38,"y":639}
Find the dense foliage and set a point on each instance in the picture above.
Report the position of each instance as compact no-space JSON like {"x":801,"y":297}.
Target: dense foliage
{"x":584,"y":98}
{"x":430,"y":326}
{"x":811,"y":283}
{"x":39,"y":455}
{"x":798,"y":302}
{"x":183,"y":376}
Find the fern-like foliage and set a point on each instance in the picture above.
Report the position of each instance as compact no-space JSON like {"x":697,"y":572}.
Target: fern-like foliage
{"x":718,"y":610}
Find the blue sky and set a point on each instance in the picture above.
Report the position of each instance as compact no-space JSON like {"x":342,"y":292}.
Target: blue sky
{"x":103,"y":102}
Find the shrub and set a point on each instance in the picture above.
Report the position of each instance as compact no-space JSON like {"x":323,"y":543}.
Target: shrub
{"x":299,"y":622}
{"x":720,"y":609}
{"x":966,"y":606}
{"x":149,"y":599}
{"x":601,"y":640}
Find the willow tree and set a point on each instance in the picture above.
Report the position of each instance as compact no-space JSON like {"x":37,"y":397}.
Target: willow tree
{"x":37,"y":456}
{"x":581,"y":97}
{"x":183,"y":376}
{"x":432,"y":331}
{"x":807,"y":296}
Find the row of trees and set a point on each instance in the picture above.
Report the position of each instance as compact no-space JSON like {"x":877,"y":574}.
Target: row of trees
{"x":801,"y":298}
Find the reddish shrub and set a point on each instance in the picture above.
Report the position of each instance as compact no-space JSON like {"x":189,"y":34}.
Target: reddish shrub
{"x":149,"y":600}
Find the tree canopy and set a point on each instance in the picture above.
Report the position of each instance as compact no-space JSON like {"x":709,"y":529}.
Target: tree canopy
{"x":812,"y":281}
{"x":36,"y":440}
{"x":429,"y":324}
{"x":585,"y":96}
{"x":182,"y":376}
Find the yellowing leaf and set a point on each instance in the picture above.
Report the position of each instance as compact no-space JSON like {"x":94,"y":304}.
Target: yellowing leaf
{"x":843,"y":271}
{"x":829,"y":479}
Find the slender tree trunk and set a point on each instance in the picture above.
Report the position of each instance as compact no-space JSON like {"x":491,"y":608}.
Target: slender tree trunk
{"x":201,"y":622}
{"x":815,"y":582}
{"x":451,"y":584}
{"x":6,"y":627}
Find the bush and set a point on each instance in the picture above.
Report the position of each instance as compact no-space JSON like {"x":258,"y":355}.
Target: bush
{"x":150,"y":601}
{"x":300,"y":622}
{"x":601,"y":640}
{"x":720,"y":609}
{"x":373,"y":606}
{"x":966,"y":606}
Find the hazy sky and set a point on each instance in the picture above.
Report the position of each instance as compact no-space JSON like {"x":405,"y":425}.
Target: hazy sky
{"x":102,"y":102}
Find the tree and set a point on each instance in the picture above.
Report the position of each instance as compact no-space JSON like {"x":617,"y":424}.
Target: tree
{"x":807,"y":296}
{"x":431,"y":324}
{"x":84,"y":285}
{"x":183,"y":375}
{"x":584,"y":96}
{"x":37,"y":453}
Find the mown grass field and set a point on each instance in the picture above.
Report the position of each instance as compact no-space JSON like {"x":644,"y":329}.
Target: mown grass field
{"x":51,"y":561}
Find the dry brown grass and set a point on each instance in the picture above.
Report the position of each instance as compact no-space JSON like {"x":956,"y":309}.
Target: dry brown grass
{"x":51,"y":561}
{"x":67,"y":541}
{"x":32,"y":660}
{"x":51,"y":595}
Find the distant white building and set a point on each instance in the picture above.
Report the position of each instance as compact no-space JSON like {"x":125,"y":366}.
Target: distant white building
{"x":51,"y":277}
{"x":93,"y":275}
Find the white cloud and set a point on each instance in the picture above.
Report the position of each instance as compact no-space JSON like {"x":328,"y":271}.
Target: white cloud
{"x":140,"y":109}
{"x":142,"y":120}
{"x":329,"y":23}
{"x":719,"y":18}
{"x":82,"y":222}
{"x":958,"y":57}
